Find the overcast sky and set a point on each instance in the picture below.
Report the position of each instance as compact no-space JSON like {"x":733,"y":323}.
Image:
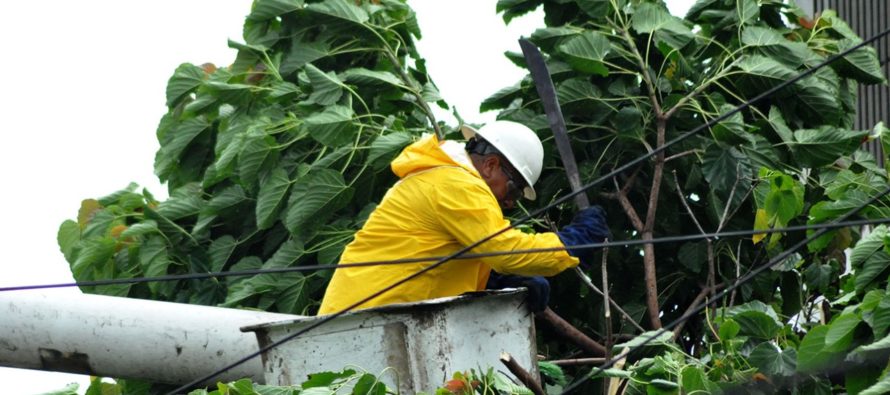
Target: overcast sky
{"x":84,"y":87}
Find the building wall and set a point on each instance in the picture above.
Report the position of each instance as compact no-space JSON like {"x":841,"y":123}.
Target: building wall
{"x":867,"y":18}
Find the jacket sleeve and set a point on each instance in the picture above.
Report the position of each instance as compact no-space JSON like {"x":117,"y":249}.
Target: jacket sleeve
{"x":470,"y":212}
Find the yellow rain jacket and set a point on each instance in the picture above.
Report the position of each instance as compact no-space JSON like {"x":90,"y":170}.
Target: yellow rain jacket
{"x":440,"y":205}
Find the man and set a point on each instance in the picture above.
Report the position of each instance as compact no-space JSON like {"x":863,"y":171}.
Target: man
{"x":450,"y":197}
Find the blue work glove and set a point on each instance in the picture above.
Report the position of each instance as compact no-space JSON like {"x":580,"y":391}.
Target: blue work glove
{"x":538,"y":288}
{"x":588,"y":227}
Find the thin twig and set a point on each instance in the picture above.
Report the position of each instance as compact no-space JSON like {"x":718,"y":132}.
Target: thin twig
{"x":607,"y":315}
{"x":577,"y":361}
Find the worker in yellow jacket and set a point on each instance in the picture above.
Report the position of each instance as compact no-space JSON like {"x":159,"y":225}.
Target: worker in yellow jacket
{"x":449,"y":196}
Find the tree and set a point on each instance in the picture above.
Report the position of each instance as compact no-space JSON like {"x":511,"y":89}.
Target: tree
{"x":276,"y":160}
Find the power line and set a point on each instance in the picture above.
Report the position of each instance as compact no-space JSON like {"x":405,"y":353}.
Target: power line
{"x":738,"y":283}
{"x":539,"y":211}
{"x":310,"y":268}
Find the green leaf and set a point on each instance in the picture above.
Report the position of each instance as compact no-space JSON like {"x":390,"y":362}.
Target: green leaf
{"x":368,"y":384}
{"x":693,"y":256}
{"x":818,"y":276}
{"x":143,"y":228}
{"x":552,"y":372}
{"x":325,"y":379}
{"x":858,"y":379}
{"x":176,"y":141}
{"x":650,"y":338}
{"x":295,"y":296}
{"x":220,"y":251}
{"x":363,"y":76}
{"x":881,"y":387}
{"x":861,"y":65}
{"x":769,"y":359}
{"x":587,"y":51}
{"x":772,"y":44}
{"x":784,"y":201}
{"x":722,"y":167}
{"x":229,"y":197}
{"x":287,"y":255}
{"x":384,"y":148}
{"x":668,"y":29}
{"x":341,"y":9}
{"x":68,"y":237}
{"x":728,"y":330}
{"x":730,"y":130}
{"x":779,"y":126}
{"x":761,"y":73}
{"x":840,"y":333}
{"x":267,"y":9}
{"x":332,"y":127}
{"x":821,"y":147}
{"x":270,"y":199}
{"x":303,"y":53}
{"x":93,"y":253}
{"x":869,"y":258}
{"x":180,"y":207}
{"x":314,"y":196}
{"x":811,"y":354}
{"x":256,"y":153}
{"x":817,"y":99}
{"x":693,"y":380}
{"x":185,"y":79}
{"x":154,"y":260}
{"x":755,"y":319}
{"x":326,"y":87}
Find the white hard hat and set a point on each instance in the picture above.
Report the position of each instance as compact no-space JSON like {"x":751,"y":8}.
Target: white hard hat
{"x":518,"y":144}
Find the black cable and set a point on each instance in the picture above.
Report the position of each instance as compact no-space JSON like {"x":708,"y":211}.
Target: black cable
{"x":537,"y":212}
{"x":309,"y":268}
{"x":738,"y":283}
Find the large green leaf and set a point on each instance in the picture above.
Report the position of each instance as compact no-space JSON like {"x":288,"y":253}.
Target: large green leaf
{"x":881,"y":387}
{"x":267,"y":9}
{"x":271,"y":198}
{"x":723,"y":167}
{"x":315,"y":196}
{"x":326,"y":87}
{"x":302,"y":53}
{"x":823,"y":146}
{"x":772,"y":44}
{"x":761,"y":73}
{"x":185,"y":79}
{"x":812,"y":355}
{"x":769,"y":359}
{"x":68,"y":237}
{"x":755,"y":319}
{"x":784,"y":201}
{"x":587,"y":51}
{"x":732,"y":129}
{"x":225,"y":199}
{"x":332,"y":127}
{"x":176,"y":141}
{"x":372,"y":78}
{"x":345,"y":10}
{"x":287,"y":255}
{"x":840,"y":333}
{"x":93,"y":253}
{"x":668,"y":29}
{"x":779,"y":126}
{"x":384,"y":148}
{"x":154,"y":259}
{"x":220,"y":251}
{"x":817,"y":100}
{"x":861,"y":65}
{"x":869,"y":258}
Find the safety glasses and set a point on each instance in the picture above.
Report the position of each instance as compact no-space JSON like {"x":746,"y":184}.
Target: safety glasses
{"x":514,"y":187}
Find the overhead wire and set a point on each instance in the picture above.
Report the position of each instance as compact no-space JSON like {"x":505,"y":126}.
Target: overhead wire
{"x":312,"y":268}
{"x":537,"y":212}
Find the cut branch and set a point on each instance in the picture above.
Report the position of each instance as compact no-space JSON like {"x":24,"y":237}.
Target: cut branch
{"x":523,"y":375}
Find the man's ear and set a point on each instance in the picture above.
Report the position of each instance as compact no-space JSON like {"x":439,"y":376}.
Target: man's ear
{"x":489,"y":164}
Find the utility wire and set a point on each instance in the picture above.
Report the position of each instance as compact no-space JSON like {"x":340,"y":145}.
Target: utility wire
{"x":310,"y":268}
{"x":738,"y":283}
{"x":539,"y":211}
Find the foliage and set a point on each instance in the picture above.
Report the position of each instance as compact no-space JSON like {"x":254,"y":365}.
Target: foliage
{"x":271,"y":162}
{"x":276,"y":160}
{"x":631,"y":77}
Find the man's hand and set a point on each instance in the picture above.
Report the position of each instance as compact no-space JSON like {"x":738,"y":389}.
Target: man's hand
{"x":538,"y":288}
{"x":588,"y":227}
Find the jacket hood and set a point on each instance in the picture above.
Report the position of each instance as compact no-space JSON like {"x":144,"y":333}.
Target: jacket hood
{"x":428,"y":153}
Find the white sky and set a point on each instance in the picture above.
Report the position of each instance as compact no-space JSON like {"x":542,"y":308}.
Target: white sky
{"x":84,"y":87}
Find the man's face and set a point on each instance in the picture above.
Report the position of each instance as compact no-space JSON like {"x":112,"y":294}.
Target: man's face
{"x":504,"y":182}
